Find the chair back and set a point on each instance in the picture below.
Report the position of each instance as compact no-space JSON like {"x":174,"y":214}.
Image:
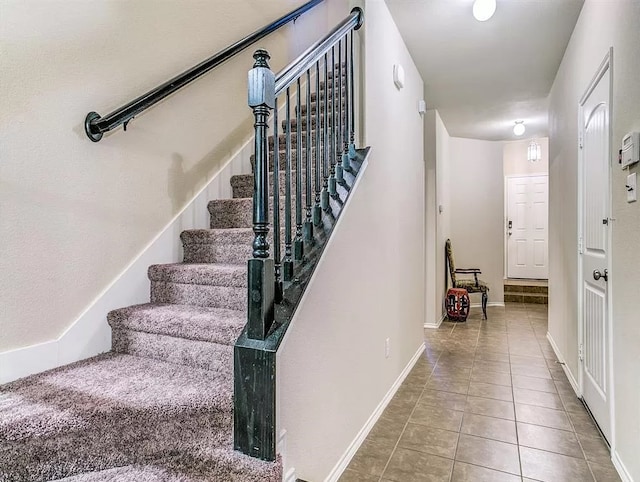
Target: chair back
{"x":449,"y":261}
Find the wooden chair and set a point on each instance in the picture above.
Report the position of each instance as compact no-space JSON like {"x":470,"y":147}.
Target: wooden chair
{"x":474,"y":285}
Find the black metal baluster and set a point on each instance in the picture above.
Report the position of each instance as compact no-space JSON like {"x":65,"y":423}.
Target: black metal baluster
{"x":276,"y":206}
{"x":332,"y":176}
{"x":346,"y":164}
{"x":324,"y":199}
{"x":352,"y":126}
{"x":308,"y":223}
{"x":261,"y":278}
{"x":298,"y":244}
{"x":288,"y":260}
{"x":339,"y":137}
{"x":317,"y":210}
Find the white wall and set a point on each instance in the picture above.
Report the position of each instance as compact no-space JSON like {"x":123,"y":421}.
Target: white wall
{"x":74,"y":214}
{"x":436,"y":155}
{"x":476,"y":190}
{"x":515,"y":158}
{"x":600,"y":26}
{"x":369,"y":285}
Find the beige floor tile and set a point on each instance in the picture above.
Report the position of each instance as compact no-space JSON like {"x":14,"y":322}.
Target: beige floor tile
{"x":429,"y":440}
{"x":595,"y":449}
{"x":532,"y":383}
{"x":371,"y":458}
{"x":550,"y":467}
{"x":473,"y":473}
{"x":489,"y":427}
{"x":490,"y":407}
{"x":436,"y":417}
{"x":494,"y":378}
{"x":487,"y":390}
{"x":547,"y":417}
{"x":605,"y":473}
{"x":353,"y":476}
{"x":491,"y":366}
{"x":387,"y":430}
{"x":493,"y":356}
{"x":582,"y":423}
{"x":488,"y":453}
{"x":531,"y":371}
{"x":540,"y":399}
{"x":441,"y":399}
{"x":452,"y":385}
{"x":527,"y":361}
{"x":411,"y":466}
{"x":549,"y":439}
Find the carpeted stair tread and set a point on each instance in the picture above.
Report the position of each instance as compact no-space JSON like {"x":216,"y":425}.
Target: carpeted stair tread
{"x":216,"y":325}
{"x":216,"y":274}
{"x":72,"y":397}
{"x":217,"y":465}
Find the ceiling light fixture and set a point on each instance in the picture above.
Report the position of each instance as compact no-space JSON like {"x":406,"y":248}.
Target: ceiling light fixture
{"x":519,"y":128}
{"x":483,"y":10}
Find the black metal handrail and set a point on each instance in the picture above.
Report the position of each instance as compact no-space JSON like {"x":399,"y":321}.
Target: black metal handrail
{"x":309,"y":57}
{"x":95,"y":125}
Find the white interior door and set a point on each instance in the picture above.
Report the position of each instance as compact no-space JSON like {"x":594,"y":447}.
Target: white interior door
{"x":594,"y":257}
{"x":527,"y":227}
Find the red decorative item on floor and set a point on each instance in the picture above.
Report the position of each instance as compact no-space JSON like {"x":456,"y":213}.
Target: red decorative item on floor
{"x":457,"y":304}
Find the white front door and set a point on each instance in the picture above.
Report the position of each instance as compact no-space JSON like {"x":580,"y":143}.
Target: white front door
{"x":594,"y":243}
{"x":527,"y":226}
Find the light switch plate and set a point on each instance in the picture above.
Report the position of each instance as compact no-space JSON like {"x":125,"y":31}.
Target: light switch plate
{"x":632,"y":188}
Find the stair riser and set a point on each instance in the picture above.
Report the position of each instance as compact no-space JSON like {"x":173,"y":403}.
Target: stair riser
{"x":242,"y":186}
{"x":224,"y":215}
{"x":179,"y":351}
{"x":233,"y":298}
{"x":520,"y":298}
{"x":282,"y":155}
{"x":217,"y":253}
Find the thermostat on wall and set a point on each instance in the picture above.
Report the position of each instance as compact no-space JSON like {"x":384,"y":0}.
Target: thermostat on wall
{"x":630,"y":153}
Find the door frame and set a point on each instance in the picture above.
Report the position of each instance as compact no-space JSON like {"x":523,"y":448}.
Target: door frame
{"x":605,"y":68}
{"x":506,"y":215}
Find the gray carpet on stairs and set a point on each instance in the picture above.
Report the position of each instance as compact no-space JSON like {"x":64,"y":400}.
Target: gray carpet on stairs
{"x":159,"y":406}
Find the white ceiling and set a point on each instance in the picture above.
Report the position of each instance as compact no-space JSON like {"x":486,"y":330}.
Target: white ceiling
{"x":482,"y":76}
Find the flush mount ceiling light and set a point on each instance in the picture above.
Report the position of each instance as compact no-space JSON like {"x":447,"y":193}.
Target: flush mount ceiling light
{"x":484,"y":9}
{"x":534,"y":152}
{"x":519,"y":128}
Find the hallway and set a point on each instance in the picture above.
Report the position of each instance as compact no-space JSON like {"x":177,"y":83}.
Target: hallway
{"x":487,"y":402}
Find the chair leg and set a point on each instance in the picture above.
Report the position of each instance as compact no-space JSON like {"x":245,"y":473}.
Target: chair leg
{"x":485,"y":298}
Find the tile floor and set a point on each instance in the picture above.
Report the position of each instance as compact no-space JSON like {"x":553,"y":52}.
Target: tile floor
{"x":487,"y":402}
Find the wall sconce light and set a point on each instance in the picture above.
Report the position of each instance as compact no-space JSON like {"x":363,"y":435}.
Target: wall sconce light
{"x":534,"y":152}
{"x":519,"y":128}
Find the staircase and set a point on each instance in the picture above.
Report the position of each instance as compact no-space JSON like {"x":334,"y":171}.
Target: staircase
{"x":159,"y":406}
{"x":526,"y":291}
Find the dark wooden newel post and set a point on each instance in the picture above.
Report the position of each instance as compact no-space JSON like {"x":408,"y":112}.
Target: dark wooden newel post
{"x":261,"y":267}
{"x":254,"y":353}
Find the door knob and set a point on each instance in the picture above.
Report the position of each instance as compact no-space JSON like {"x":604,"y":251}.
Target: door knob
{"x":597,"y":275}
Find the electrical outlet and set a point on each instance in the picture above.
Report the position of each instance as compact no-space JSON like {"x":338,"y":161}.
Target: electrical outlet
{"x":387,"y":348}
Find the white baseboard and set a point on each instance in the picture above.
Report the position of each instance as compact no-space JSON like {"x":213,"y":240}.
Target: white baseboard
{"x":436,"y":325}
{"x":567,"y":372}
{"x":620,"y":467}
{"x":89,"y":334}
{"x":342,"y":464}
